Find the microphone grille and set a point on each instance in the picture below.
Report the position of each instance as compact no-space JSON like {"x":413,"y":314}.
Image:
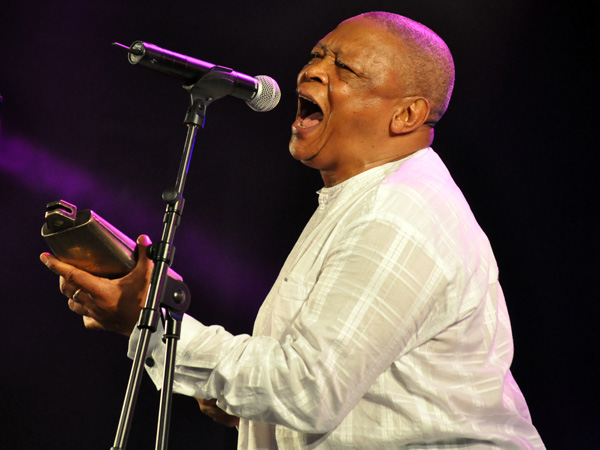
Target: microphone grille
{"x":267,"y":95}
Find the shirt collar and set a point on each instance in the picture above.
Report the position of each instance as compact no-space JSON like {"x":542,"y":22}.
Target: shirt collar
{"x":370,"y":177}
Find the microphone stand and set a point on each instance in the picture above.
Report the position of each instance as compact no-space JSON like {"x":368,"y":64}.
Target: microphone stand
{"x":167,"y":298}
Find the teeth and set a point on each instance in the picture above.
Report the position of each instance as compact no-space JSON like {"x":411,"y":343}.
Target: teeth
{"x":307,"y":99}
{"x":308,"y":116}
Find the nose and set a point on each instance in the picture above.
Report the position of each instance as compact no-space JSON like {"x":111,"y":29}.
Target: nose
{"x":314,"y":71}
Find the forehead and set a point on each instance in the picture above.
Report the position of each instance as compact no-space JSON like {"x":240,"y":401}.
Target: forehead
{"x":362,"y":38}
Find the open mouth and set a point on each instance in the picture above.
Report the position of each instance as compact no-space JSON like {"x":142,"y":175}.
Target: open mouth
{"x":310,"y":114}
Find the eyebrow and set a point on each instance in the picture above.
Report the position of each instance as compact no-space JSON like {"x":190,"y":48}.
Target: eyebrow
{"x":339,"y":57}
{"x":323,"y":47}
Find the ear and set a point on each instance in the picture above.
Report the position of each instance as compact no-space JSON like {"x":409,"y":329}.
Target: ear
{"x":409,"y":115}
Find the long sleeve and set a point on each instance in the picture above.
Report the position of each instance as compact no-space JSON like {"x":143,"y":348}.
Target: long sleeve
{"x":386,"y":325}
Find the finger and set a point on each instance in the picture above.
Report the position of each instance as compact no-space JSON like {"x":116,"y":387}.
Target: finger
{"x":144,"y":264}
{"x":78,"y":294}
{"x":71,"y":274}
{"x":143,"y":242}
{"x":91,"y":324}
{"x":210,"y":408}
{"x":66,"y":288}
{"x":207,"y":401}
{"x":207,"y":406}
{"x":77,"y":307}
{"x":83,"y":310}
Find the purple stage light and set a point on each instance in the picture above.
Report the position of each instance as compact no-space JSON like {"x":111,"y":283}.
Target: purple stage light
{"x":201,"y":258}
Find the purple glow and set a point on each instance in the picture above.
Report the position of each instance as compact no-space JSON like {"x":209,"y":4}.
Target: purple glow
{"x":214,"y":267}
{"x":37,"y":171}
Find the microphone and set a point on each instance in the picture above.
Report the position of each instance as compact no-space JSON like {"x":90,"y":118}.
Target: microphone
{"x":261,"y":93}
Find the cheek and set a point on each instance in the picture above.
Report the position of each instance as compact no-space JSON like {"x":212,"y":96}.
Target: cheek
{"x":361,"y":115}
{"x":359,"y":100}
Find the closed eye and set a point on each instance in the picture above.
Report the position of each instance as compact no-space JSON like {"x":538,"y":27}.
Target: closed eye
{"x":341,"y":65}
{"x":315,"y":55}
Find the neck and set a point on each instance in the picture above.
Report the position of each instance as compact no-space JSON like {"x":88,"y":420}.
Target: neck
{"x":396,"y":148}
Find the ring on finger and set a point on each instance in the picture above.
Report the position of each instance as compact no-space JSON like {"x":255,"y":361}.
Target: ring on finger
{"x":77,"y":292}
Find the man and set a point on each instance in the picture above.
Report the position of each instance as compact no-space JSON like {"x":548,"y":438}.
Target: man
{"x":386,"y":327}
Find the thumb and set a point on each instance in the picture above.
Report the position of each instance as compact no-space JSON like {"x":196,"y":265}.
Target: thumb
{"x":143,"y":242}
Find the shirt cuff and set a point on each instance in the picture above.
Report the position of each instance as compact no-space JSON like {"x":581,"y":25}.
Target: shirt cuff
{"x":155,"y":357}
{"x":154,"y":363}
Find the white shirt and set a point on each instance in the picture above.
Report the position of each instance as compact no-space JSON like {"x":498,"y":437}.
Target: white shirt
{"x":385,"y":329}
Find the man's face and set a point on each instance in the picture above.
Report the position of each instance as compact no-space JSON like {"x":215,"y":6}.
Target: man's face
{"x":347,"y":94}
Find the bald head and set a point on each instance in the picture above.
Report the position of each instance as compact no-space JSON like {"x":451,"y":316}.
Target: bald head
{"x":425,"y":64}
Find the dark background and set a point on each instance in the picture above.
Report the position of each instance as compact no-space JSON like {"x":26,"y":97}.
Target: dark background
{"x":80,"y":123}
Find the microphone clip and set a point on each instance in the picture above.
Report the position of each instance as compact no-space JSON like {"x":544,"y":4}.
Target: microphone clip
{"x":215,"y":84}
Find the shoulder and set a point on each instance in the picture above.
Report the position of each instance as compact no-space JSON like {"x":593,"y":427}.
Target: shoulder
{"x":419,"y":188}
{"x":419,"y":198}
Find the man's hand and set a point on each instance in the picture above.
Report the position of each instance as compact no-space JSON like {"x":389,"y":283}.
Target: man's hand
{"x":105,"y":304}
{"x":210,"y":408}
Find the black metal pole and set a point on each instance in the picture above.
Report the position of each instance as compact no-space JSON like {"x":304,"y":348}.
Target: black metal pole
{"x":165,"y":292}
{"x":162,"y":254}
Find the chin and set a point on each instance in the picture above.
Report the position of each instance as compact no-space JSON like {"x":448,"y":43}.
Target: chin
{"x":306,"y":156}
{"x":296,"y":149}
{"x":292,"y":150}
